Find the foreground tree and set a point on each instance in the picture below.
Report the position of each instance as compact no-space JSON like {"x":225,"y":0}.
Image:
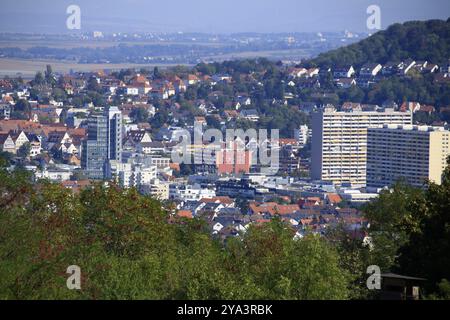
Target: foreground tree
{"x":127,"y":249}
{"x":427,"y":252}
{"x":410,"y":231}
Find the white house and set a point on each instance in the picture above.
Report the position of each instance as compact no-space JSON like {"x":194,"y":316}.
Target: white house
{"x":345,"y":82}
{"x":345,"y":72}
{"x":57,"y":175}
{"x":370,"y":69}
{"x":190,"y":192}
{"x":132,"y":91}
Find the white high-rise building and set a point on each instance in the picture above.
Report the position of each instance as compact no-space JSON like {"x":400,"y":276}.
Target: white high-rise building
{"x":302,"y":134}
{"x":135,"y":175}
{"x":339,"y":142}
{"x":413,"y":153}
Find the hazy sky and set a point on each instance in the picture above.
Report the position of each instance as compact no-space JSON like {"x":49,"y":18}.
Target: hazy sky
{"x":213,"y":16}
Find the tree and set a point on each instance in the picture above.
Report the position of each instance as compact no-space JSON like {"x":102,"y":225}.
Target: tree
{"x":185,"y":169}
{"x":22,"y":105}
{"x":191,"y":93}
{"x":393,"y":216}
{"x":93,"y":85}
{"x":59,"y":94}
{"x":156,"y":73}
{"x":426,"y":253}
{"x":139,"y":114}
{"x":24,"y":150}
{"x":283,"y":268}
{"x":354,"y":257}
{"x":127,"y":249}
{"x":49,"y":76}
{"x":161,"y":117}
{"x":409,"y":227}
{"x":39,"y":79}
{"x":416,"y":40}
{"x":242,"y":204}
{"x":213,"y":122}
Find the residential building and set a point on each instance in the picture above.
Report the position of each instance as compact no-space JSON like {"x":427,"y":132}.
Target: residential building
{"x":157,"y":189}
{"x":7,"y":143}
{"x":302,"y":134}
{"x":5,"y":111}
{"x":406,"y":66}
{"x":35,"y":145}
{"x":131,"y":174}
{"x":345,"y":72}
{"x":235,"y":188}
{"x":185,"y":192}
{"x":103,"y":143}
{"x":413,"y":153}
{"x":339,"y":142}
{"x":250,"y":114}
{"x":20,"y":138}
{"x":58,"y":175}
{"x":13,"y":140}
{"x":233,"y":160}
{"x":370,"y":69}
{"x":345,"y":82}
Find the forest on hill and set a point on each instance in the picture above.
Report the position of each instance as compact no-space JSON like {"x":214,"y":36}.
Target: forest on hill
{"x":417,"y":40}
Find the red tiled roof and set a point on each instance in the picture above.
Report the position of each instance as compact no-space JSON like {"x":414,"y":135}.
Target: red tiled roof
{"x":76,"y":186}
{"x":184,"y":214}
{"x":273,"y":208}
{"x":333,"y":198}
{"x":223,"y":200}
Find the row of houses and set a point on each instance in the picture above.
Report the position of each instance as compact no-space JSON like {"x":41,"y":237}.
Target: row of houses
{"x":225,"y":218}
{"x":60,"y":141}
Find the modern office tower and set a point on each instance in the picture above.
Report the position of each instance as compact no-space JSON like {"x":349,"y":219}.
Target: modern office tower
{"x":339,"y":142}
{"x":94,"y":149}
{"x":412,"y":153}
{"x":114,"y":133}
{"x":103,"y":143}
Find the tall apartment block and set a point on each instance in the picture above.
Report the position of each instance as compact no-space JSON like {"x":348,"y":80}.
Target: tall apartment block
{"x":114,"y":133}
{"x":339,"y":142}
{"x":412,"y":153}
{"x":103,"y":143}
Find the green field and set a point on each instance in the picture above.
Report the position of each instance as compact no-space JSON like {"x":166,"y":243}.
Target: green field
{"x":28,"y":68}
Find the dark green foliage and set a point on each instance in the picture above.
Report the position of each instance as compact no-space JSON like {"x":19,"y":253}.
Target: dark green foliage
{"x":24,"y":150}
{"x":421,"y":88}
{"x":410,"y":231}
{"x":427,"y":252}
{"x":22,"y":105}
{"x":127,"y":249}
{"x":419,"y":40}
{"x":93,"y":85}
{"x":139,"y":114}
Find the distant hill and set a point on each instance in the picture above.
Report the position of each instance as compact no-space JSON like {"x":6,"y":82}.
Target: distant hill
{"x":419,"y":40}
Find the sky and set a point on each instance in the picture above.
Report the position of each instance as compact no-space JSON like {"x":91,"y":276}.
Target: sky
{"x":213,"y":16}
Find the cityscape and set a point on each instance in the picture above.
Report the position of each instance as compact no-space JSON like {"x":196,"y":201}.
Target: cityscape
{"x":239,"y":166}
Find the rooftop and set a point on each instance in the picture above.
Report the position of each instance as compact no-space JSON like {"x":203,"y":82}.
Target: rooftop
{"x":409,"y":127}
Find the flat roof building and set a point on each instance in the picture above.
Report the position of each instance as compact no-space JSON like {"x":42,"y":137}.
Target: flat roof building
{"x":339,"y":142}
{"x":413,"y":153}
